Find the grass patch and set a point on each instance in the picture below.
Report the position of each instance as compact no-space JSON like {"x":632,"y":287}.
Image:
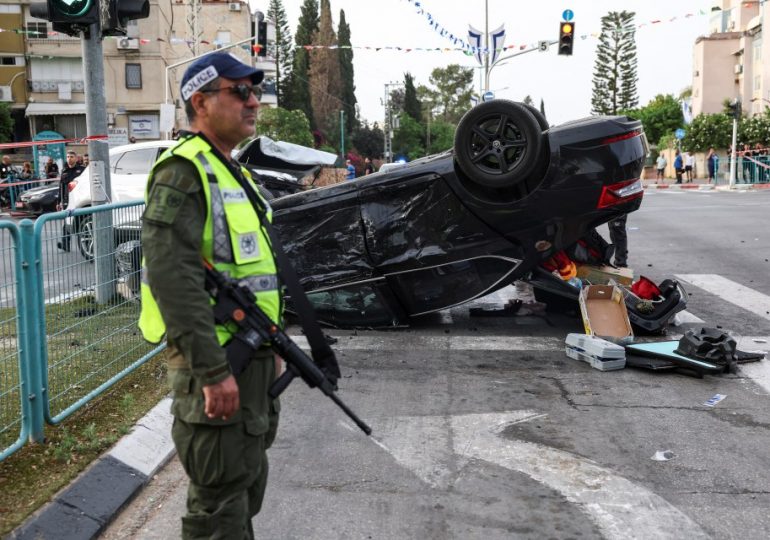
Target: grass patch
{"x":34,"y":474}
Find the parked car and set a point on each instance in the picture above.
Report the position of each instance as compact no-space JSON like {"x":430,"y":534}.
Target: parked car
{"x":279,"y":165}
{"x":449,"y":228}
{"x":39,"y":199}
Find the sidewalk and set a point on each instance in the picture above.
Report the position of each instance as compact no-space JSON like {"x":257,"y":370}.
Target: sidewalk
{"x":702,"y":184}
{"x":84,"y":508}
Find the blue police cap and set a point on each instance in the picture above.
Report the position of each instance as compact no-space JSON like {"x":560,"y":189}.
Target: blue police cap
{"x":215,"y":65}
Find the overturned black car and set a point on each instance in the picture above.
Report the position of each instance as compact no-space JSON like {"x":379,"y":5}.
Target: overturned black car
{"x":450,"y":228}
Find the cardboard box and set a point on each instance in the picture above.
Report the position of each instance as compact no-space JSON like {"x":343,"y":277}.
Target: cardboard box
{"x":598,"y":353}
{"x":604,"y":313}
{"x":601,"y":275}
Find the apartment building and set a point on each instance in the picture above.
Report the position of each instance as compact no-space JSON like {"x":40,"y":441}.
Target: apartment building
{"x":13,"y":70}
{"x":138,"y":76}
{"x":727,"y":63}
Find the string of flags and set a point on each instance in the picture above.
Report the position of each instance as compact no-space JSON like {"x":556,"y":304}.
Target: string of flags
{"x":458,"y":44}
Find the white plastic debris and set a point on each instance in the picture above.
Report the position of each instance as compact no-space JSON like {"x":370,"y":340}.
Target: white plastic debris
{"x":713,"y":400}
{"x":663,"y":455}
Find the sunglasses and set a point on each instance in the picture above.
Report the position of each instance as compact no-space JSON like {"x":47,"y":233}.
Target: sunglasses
{"x":243,"y":91}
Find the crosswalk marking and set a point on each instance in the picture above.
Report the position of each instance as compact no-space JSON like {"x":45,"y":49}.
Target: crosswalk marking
{"x":732,"y":292}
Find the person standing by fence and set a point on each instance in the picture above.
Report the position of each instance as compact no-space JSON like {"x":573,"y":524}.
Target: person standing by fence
{"x":711,"y":164}
{"x":197,"y":209}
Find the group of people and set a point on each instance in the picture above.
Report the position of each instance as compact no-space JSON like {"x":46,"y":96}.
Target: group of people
{"x":350,"y":169}
{"x":11,"y":174}
{"x":755,"y":163}
{"x":684,"y":166}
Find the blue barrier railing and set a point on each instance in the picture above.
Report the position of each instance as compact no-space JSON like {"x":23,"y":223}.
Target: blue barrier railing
{"x":68,"y":311}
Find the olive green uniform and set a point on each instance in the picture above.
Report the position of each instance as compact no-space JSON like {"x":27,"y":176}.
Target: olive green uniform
{"x":224,"y":459}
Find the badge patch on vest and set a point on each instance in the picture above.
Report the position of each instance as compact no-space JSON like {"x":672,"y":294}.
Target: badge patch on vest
{"x":234,"y":195}
{"x":247,"y":246}
{"x":163,"y":204}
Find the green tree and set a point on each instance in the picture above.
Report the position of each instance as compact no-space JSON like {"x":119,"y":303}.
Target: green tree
{"x":412,"y":105}
{"x":6,"y":123}
{"x":324,"y":76}
{"x":542,"y":108}
{"x":708,"y":130}
{"x":615,"y":77}
{"x":661,"y":116}
{"x":369,"y":141}
{"x":407,"y":139}
{"x":299,"y":87}
{"x":347,"y":75}
{"x":284,"y":50}
{"x":454,"y":88}
{"x":442,"y":136}
{"x":282,"y":125}
{"x":755,"y":129}
{"x":528,"y":100}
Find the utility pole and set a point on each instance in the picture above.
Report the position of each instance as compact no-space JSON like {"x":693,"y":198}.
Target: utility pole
{"x":342,"y":133}
{"x":99,"y":166}
{"x":390,"y":123}
{"x":733,"y":157}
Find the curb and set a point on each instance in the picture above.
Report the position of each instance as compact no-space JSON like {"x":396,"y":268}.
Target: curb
{"x":85,"y":507}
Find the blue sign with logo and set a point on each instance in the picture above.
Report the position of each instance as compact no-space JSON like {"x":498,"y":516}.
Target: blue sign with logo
{"x":567,"y":15}
{"x":488,"y":96}
{"x":680,"y":133}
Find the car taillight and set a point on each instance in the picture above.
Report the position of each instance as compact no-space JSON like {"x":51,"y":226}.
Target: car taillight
{"x":617,"y":138}
{"x":71,"y":185}
{"x":620,"y":193}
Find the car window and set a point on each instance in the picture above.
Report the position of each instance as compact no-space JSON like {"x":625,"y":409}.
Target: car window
{"x":136,"y":161}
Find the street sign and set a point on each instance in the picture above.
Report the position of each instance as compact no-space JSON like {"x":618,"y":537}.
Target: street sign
{"x":488,"y":96}
{"x":542,"y":45}
{"x":680,"y":133}
{"x":567,"y":15}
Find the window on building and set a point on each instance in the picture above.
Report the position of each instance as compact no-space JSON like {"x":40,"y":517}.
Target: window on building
{"x":71,"y":126}
{"x":758,"y":50}
{"x":223,"y":38}
{"x":37,"y":30}
{"x":757,"y":82}
{"x":134,"y":76}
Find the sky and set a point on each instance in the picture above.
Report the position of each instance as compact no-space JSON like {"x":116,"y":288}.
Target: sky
{"x":664,"y":48}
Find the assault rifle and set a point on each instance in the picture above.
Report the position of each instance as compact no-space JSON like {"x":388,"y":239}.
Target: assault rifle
{"x":235,"y":303}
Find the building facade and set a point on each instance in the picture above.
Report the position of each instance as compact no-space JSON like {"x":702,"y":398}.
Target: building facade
{"x":728,"y":63}
{"x":44,"y":69}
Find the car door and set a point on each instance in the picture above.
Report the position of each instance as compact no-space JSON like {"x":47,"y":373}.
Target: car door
{"x":130,"y":172}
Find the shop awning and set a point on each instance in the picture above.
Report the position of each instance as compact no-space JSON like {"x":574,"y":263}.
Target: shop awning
{"x":37,"y":109}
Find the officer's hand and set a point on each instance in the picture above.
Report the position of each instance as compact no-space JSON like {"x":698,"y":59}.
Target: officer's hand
{"x":221,"y":399}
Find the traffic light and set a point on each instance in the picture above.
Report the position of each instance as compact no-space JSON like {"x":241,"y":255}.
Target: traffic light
{"x":735,"y":108}
{"x":68,"y":16}
{"x":566,"y":37}
{"x":119,"y":12}
{"x":262,"y":38}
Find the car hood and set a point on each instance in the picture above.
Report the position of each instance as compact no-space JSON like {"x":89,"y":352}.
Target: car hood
{"x":39,"y":190}
{"x":296,"y":160}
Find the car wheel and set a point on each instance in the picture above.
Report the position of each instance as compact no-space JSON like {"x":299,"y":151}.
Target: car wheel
{"x":85,"y":232}
{"x":498,"y":143}
{"x":541,"y":121}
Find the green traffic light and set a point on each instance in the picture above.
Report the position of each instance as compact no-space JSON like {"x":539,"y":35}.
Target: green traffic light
{"x":71,"y":8}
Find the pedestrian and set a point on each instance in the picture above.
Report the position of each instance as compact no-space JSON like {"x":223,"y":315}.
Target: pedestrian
{"x":26,"y":171}
{"x":197,"y":209}
{"x":689,"y":166}
{"x":368,"y":166}
{"x":7,"y":173}
{"x":760,"y":163}
{"x":132,"y":139}
{"x":711,"y":164}
{"x":6,"y":168}
{"x":51,"y":168}
{"x":351,"y":170}
{"x":72,"y":169}
{"x":86,"y":161}
{"x":660,"y":165}
{"x":619,"y":238}
{"x":678,"y":166}
{"x":747,"y":154}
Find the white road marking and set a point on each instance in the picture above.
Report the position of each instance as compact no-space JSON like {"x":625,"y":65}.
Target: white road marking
{"x":732,"y":292}
{"x":687,"y":317}
{"x":437,"y":448}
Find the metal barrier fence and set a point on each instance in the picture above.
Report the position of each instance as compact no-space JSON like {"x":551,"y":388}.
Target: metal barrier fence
{"x":76,"y":303}
{"x":754,"y":170}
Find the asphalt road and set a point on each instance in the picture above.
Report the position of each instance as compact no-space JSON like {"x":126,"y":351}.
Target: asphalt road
{"x":483,"y":428}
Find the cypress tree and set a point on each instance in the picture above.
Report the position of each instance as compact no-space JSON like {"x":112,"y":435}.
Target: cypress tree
{"x":347,"y":74}
{"x":412,"y":105}
{"x":615,"y":74}
{"x":300,"y":79}
{"x":284,"y":51}
{"x":324,"y":76}
{"x":542,"y":108}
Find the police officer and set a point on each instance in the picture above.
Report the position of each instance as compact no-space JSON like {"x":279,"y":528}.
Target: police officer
{"x":72,"y":169}
{"x":197,"y":209}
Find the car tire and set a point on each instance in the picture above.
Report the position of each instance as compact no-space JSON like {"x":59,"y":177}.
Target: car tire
{"x":541,"y":121}
{"x":498,"y":143}
{"x":85,"y":237}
